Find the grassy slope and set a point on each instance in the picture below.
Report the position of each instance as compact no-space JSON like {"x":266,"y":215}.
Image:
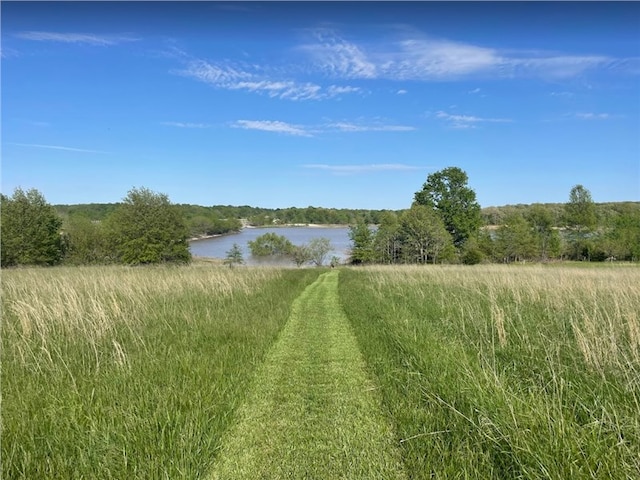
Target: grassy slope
{"x":131,"y":373}
{"x":492,"y":372}
{"x":312,"y":413}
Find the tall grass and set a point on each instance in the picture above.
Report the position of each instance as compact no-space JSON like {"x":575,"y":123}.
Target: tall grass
{"x":503,"y":372}
{"x":115,"y":372}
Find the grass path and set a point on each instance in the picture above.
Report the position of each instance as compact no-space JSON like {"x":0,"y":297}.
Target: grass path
{"x":312,"y":413}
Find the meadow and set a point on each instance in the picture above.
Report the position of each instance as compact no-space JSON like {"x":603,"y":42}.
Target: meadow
{"x":489,"y":371}
{"x":505,"y":371}
{"x":119,"y":372}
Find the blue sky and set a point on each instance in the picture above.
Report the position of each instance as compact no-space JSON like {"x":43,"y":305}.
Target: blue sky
{"x":328,"y":104}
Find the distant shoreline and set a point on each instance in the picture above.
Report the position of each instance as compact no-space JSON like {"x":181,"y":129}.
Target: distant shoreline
{"x":283,"y":225}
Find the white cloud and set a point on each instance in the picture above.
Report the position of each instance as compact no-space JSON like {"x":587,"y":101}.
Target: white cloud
{"x":467,"y":121}
{"x":56,"y":147}
{"x":594,"y":116}
{"x":272,"y":126}
{"x":425,"y":59}
{"x":353,"y":127}
{"x":353,"y":169}
{"x":254,"y":79}
{"x":554,"y":66}
{"x":416,"y":56}
{"x":475,"y":90}
{"x":340,"y":58}
{"x":76,"y":38}
{"x":335,"y":90}
{"x":401,"y":92}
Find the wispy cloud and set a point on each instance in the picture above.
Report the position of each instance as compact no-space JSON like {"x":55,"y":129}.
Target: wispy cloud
{"x":595,"y":116}
{"x":55,"y":147}
{"x":314,"y":130}
{"x":467,"y":121}
{"x":186,"y":125}
{"x":416,"y":56}
{"x":338,"y":57}
{"x":355,"y":169}
{"x":354,"y":127}
{"x":272,"y":126}
{"x":76,"y":38}
{"x":255,"y":79}
{"x":402,"y":91}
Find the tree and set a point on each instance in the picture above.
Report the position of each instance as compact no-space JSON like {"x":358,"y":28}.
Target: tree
{"x":362,"y":239}
{"x":446,"y":192}
{"x":319,"y":248}
{"x":515,"y":239}
{"x":234,"y":256}
{"x":580,"y":211}
{"x":625,"y":236}
{"x":270,"y":244}
{"x":423,"y":235}
{"x":300,"y":254}
{"x":541,"y":219}
{"x":387,"y":243}
{"x":146,"y":228}
{"x":30,"y":233}
{"x":84,"y":241}
{"x":580,"y":215}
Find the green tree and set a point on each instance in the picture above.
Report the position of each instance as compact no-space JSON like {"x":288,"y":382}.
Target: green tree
{"x":30,"y":231}
{"x":423,"y":235}
{"x":580,"y":216}
{"x":580,"y":211}
{"x":147,"y":228}
{"x":234,"y":256}
{"x":362,"y":238}
{"x":515,"y":239}
{"x":300,"y":254}
{"x":625,"y":236}
{"x":85,"y":241}
{"x":387,"y":243}
{"x":270,"y":244}
{"x":541,"y":220}
{"x":319,"y":248}
{"x":446,"y":192}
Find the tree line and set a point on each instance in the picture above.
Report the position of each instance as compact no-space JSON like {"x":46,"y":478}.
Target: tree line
{"x":217,"y":219}
{"x":146,"y":228}
{"x":446,"y":224}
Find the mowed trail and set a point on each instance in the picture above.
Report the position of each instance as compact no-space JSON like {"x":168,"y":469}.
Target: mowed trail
{"x":312,"y":412}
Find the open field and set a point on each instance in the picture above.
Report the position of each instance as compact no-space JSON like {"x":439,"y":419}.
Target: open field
{"x":433,"y":372}
{"x":505,"y":372}
{"x":119,"y":372}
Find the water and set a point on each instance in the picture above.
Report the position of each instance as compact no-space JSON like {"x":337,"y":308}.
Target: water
{"x":219,"y":246}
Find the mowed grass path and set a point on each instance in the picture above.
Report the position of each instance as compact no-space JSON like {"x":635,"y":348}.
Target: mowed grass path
{"x":312,"y":413}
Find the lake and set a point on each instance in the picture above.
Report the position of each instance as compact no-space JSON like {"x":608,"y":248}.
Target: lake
{"x":218,"y":247}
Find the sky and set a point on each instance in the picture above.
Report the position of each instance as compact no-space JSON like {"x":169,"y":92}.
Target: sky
{"x":326,"y":104}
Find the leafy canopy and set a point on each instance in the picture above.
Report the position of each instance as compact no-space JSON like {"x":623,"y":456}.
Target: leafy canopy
{"x":147,"y":228}
{"x":270,"y":244}
{"x":30,"y":233}
{"x":446,"y":192}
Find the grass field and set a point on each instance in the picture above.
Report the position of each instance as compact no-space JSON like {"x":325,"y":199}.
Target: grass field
{"x":503,"y":372}
{"x":377,"y":372}
{"x":128,"y":373}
